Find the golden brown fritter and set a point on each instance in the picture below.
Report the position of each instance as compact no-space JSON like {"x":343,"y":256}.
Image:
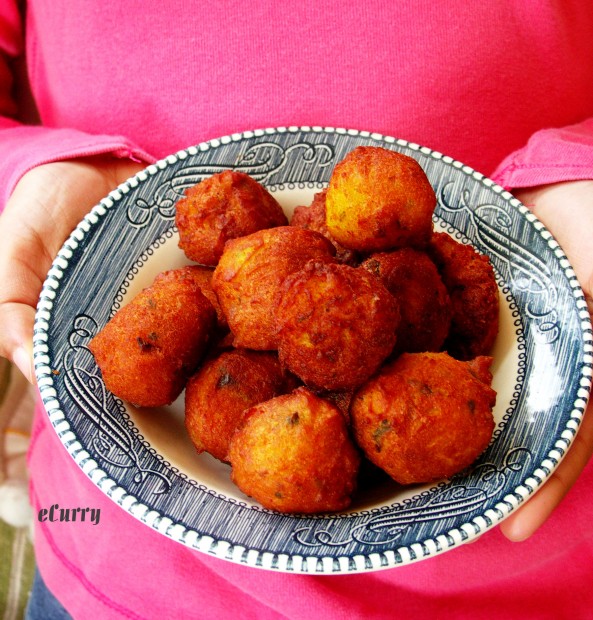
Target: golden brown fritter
{"x":471,"y":283}
{"x":293,"y":453}
{"x":223,"y":388}
{"x":336,"y":325}
{"x":147,"y":351}
{"x":379,"y":200}
{"x":248,"y":277}
{"x":203,"y":278}
{"x":312,"y":217}
{"x":424,"y":304}
{"x":425,"y":416}
{"x":341,"y":399}
{"x":225,"y":206}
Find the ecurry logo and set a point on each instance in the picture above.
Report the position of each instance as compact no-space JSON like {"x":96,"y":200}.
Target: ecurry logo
{"x":68,"y":515}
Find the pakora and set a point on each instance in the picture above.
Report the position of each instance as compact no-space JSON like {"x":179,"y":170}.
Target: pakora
{"x":151,"y":346}
{"x":470,"y":280}
{"x":425,"y":308}
{"x":203,"y":278}
{"x":312,"y":217}
{"x":225,"y":206}
{"x":378,"y":200}
{"x":251,"y":270}
{"x":294,"y":453}
{"x":425,"y":416}
{"x":223,"y":388}
{"x":335,"y":325}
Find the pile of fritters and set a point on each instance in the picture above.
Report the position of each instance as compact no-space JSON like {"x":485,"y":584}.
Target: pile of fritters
{"x":352,"y":333}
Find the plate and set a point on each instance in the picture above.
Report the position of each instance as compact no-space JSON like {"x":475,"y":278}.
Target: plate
{"x":145,"y":462}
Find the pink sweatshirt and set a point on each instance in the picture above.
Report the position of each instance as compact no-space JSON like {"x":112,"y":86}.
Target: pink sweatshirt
{"x":506,"y":87}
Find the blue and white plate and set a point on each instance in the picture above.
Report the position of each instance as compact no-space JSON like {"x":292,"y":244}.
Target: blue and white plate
{"x":144,"y":460}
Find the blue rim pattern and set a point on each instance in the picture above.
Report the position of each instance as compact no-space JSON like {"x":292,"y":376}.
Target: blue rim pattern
{"x":95,"y":429}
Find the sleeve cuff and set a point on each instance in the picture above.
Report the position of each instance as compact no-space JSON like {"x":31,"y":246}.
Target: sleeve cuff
{"x":25,"y":147}
{"x":550,"y":156}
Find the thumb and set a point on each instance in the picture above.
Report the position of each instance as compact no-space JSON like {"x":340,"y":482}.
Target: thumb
{"x":16,"y":327}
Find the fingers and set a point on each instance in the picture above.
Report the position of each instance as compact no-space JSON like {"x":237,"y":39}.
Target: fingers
{"x":17,"y":344}
{"x":567,"y":211}
{"x":526,"y":520}
{"x":23,"y":259}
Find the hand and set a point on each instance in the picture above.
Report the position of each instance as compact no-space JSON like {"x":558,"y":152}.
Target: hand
{"x":566,"y":209}
{"x":45,"y":206}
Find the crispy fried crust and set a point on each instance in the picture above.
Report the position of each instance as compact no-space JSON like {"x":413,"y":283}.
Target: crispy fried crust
{"x":426,"y":416}
{"x":223,"y":388}
{"x":147,"y":351}
{"x":336,"y":325}
{"x":470,"y":281}
{"x":342,"y":323}
{"x":225,"y":206}
{"x":312,"y":217}
{"x":425,"y":308}
{"x":248,"y":277}
{"x":379,"y":200}
{"x":203,"y":278}
{"x":293,"y":453}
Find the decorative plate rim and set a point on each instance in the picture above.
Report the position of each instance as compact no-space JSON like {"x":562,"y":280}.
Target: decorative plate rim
{"x":284,"y":562}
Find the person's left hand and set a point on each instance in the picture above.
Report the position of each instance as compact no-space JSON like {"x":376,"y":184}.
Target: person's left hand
{"x":566,"y":209}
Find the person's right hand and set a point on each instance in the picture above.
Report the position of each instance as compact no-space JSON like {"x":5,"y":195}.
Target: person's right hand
{"x":567,"y":211}
{"x":45,"y":206}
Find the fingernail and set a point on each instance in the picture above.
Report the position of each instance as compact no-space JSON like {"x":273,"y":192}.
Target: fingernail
{"x":23,"y":360}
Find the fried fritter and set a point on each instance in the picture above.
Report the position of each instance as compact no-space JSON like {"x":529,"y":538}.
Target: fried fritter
{"x":341,"y":399}
{"x":293,"y":453}
{"x":147,"y":351}
{"x":471,"y":283}
{"x":379,"y":200}
{"x":225,"y":206}
{"x":425,"y":308}
{"x":248,"y":277}
{"x":203,"y":277}
{"x":223,"y":388}
{"x":312,"y":217}
{"x":336,"y":325}
{"x":425,"y":416}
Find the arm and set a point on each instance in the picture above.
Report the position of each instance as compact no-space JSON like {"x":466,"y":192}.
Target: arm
{"x":49,"y":179}
{"x":553,"y":176}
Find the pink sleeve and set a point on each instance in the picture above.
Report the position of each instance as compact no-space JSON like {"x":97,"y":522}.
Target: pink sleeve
{"x":23,"y":147}
{"x":550,"y":156}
